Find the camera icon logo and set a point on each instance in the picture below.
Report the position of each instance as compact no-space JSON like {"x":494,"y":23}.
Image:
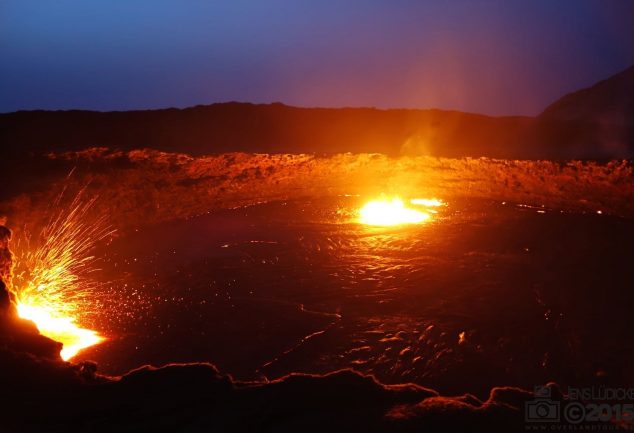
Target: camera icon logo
{"x":542,"y":408}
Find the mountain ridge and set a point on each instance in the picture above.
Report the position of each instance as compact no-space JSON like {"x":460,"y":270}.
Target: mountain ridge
{"x":574,"y":126}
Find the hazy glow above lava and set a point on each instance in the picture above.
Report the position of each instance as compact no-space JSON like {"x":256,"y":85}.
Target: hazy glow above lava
{"x":390,"y":213}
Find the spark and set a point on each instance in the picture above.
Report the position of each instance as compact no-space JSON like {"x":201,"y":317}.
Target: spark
{"x":52,"y":285}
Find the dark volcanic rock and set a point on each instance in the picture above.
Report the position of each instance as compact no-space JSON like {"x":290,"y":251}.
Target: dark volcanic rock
{"x":40,"y":392}
{"x":197,"y":398}
{"x":596,"y":122}
{"x":610,"y":101}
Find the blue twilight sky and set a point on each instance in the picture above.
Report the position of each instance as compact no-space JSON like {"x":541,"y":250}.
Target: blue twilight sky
{"x":493,"y":57}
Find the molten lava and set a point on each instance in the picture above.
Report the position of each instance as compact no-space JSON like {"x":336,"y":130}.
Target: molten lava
{"x":59,"y":328}
{"x":427,"y":202}
{"x":390,"y":213}
{"x":52,"y":285}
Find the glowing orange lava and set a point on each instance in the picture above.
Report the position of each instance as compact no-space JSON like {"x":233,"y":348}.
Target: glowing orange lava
{"x":61,"y":329}
{"x":427,"y":202}
{"x":390,"y":213}
{"x":52,"y":286}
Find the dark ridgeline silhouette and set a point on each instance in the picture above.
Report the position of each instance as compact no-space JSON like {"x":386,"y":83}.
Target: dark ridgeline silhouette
{"x":597,"y":122}
{"x":594,"y":122}
{"x":233,"y":126}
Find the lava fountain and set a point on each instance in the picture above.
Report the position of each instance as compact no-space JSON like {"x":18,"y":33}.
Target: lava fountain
{"x":52,"y":285}
{"x":394,"y":212}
